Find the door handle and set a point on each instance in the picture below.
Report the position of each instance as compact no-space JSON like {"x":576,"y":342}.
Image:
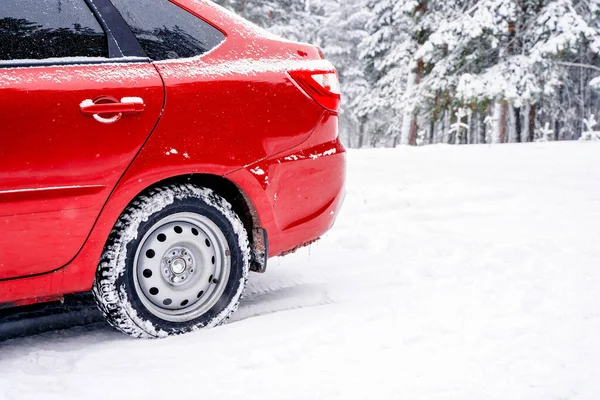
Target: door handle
{"x":108,"y":110}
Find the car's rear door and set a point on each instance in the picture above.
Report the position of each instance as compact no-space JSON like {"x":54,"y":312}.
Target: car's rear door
{"x":76,"y":106}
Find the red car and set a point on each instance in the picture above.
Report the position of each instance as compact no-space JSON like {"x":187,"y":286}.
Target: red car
{"x":155,"y":152}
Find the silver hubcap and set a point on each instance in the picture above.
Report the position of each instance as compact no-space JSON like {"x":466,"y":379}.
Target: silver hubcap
{"x":182,"y":267}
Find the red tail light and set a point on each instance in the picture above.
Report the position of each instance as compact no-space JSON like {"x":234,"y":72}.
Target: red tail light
{"x":323,"y":87}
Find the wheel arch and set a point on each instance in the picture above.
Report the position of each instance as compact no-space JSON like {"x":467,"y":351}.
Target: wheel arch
{"x":239,"y":200}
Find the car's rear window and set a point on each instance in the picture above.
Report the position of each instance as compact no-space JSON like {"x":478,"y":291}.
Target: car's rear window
{"x":49,"y":29}
{"x":166,"y":31}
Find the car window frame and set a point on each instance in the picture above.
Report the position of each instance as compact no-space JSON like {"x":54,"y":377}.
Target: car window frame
{"x":184,"y":9}
{"x":122,"y":46}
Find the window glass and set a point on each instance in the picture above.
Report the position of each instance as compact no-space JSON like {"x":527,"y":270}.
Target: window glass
{"x":49,"y":29}
{"x":167,"y":31}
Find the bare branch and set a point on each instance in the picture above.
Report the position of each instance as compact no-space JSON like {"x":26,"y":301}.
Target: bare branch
{"x":578,"y":65}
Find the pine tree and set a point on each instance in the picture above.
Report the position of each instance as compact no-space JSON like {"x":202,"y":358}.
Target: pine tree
{"x":340,"y":36}
{"x":389,"y":52}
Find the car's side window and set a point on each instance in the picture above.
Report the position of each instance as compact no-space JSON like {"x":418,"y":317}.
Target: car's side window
{"x":166,"y":31}
{"x":49,"y":29}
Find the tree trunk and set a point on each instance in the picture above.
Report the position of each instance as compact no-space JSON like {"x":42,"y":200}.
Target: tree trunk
{"x":470,"y":130}
{"x":556,"y":122}
{"x":497,"y":123}
{"x":407,"y":117}
{"x":482,"y":129}
{"x":431,"y":131}
{"x":413,"y":131}
{"x":531,"y":123}
{"x":476,"y":128}
{"x":446,"y":130}
{"x":409,"y":120}
{"x":582,"y":101}
{"x":525,"y":126}
{"x":361,"y":134}
{"x":503,"y":112}
{"x":518,"y":129}
{"x":439,"y":130}
{"x":457,"y":133}
{"x":458,"y":139}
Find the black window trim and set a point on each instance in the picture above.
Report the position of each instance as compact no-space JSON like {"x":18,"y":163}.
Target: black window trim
{"x":122,"y":41}
{"x":123,"y":46}
{"x":114,"y":51}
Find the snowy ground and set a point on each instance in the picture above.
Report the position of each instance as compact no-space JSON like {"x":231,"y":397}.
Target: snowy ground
{"x":453,"y":273}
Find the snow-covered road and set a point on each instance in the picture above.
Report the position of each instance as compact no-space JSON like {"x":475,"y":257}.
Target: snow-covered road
{"x":453,"y":273}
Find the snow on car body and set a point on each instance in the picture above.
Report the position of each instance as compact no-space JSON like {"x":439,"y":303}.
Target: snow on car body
{"x":77,"y":162}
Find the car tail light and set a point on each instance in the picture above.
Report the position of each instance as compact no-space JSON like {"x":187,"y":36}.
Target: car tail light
{"x":323,"y":87}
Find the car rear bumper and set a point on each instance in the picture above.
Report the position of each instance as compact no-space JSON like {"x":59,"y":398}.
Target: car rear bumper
{"x":297,"y":195}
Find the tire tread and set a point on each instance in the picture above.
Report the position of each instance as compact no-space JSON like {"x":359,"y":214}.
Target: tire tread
{"x":120,"y":314}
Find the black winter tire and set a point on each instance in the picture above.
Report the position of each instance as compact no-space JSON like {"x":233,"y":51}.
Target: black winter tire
{"x":121,"y":288}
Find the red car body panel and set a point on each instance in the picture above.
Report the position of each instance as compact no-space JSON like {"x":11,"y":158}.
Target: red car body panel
{"x":233,"y":113}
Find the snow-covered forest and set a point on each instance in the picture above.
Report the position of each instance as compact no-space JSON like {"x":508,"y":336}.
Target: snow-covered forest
{"x":452,"y":71}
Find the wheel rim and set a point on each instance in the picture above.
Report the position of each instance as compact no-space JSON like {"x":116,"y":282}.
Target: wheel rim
{"x":182,"y":267}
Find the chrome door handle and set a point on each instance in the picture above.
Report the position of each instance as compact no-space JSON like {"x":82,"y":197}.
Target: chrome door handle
{"x":108,"y":110}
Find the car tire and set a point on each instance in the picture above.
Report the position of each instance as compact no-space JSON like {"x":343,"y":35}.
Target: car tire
{"x":176,"y":261}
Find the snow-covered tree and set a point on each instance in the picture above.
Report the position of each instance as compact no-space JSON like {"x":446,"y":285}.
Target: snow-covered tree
{"x":340,"y":36}
{"x":590,"y":134}
{"x":298,"y":20}
{"x":394,"y":33}
{"x":544,"y":134}
{"x":507,"y":52}
{"x":261,"y":12}
{"x":459,"y":127}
